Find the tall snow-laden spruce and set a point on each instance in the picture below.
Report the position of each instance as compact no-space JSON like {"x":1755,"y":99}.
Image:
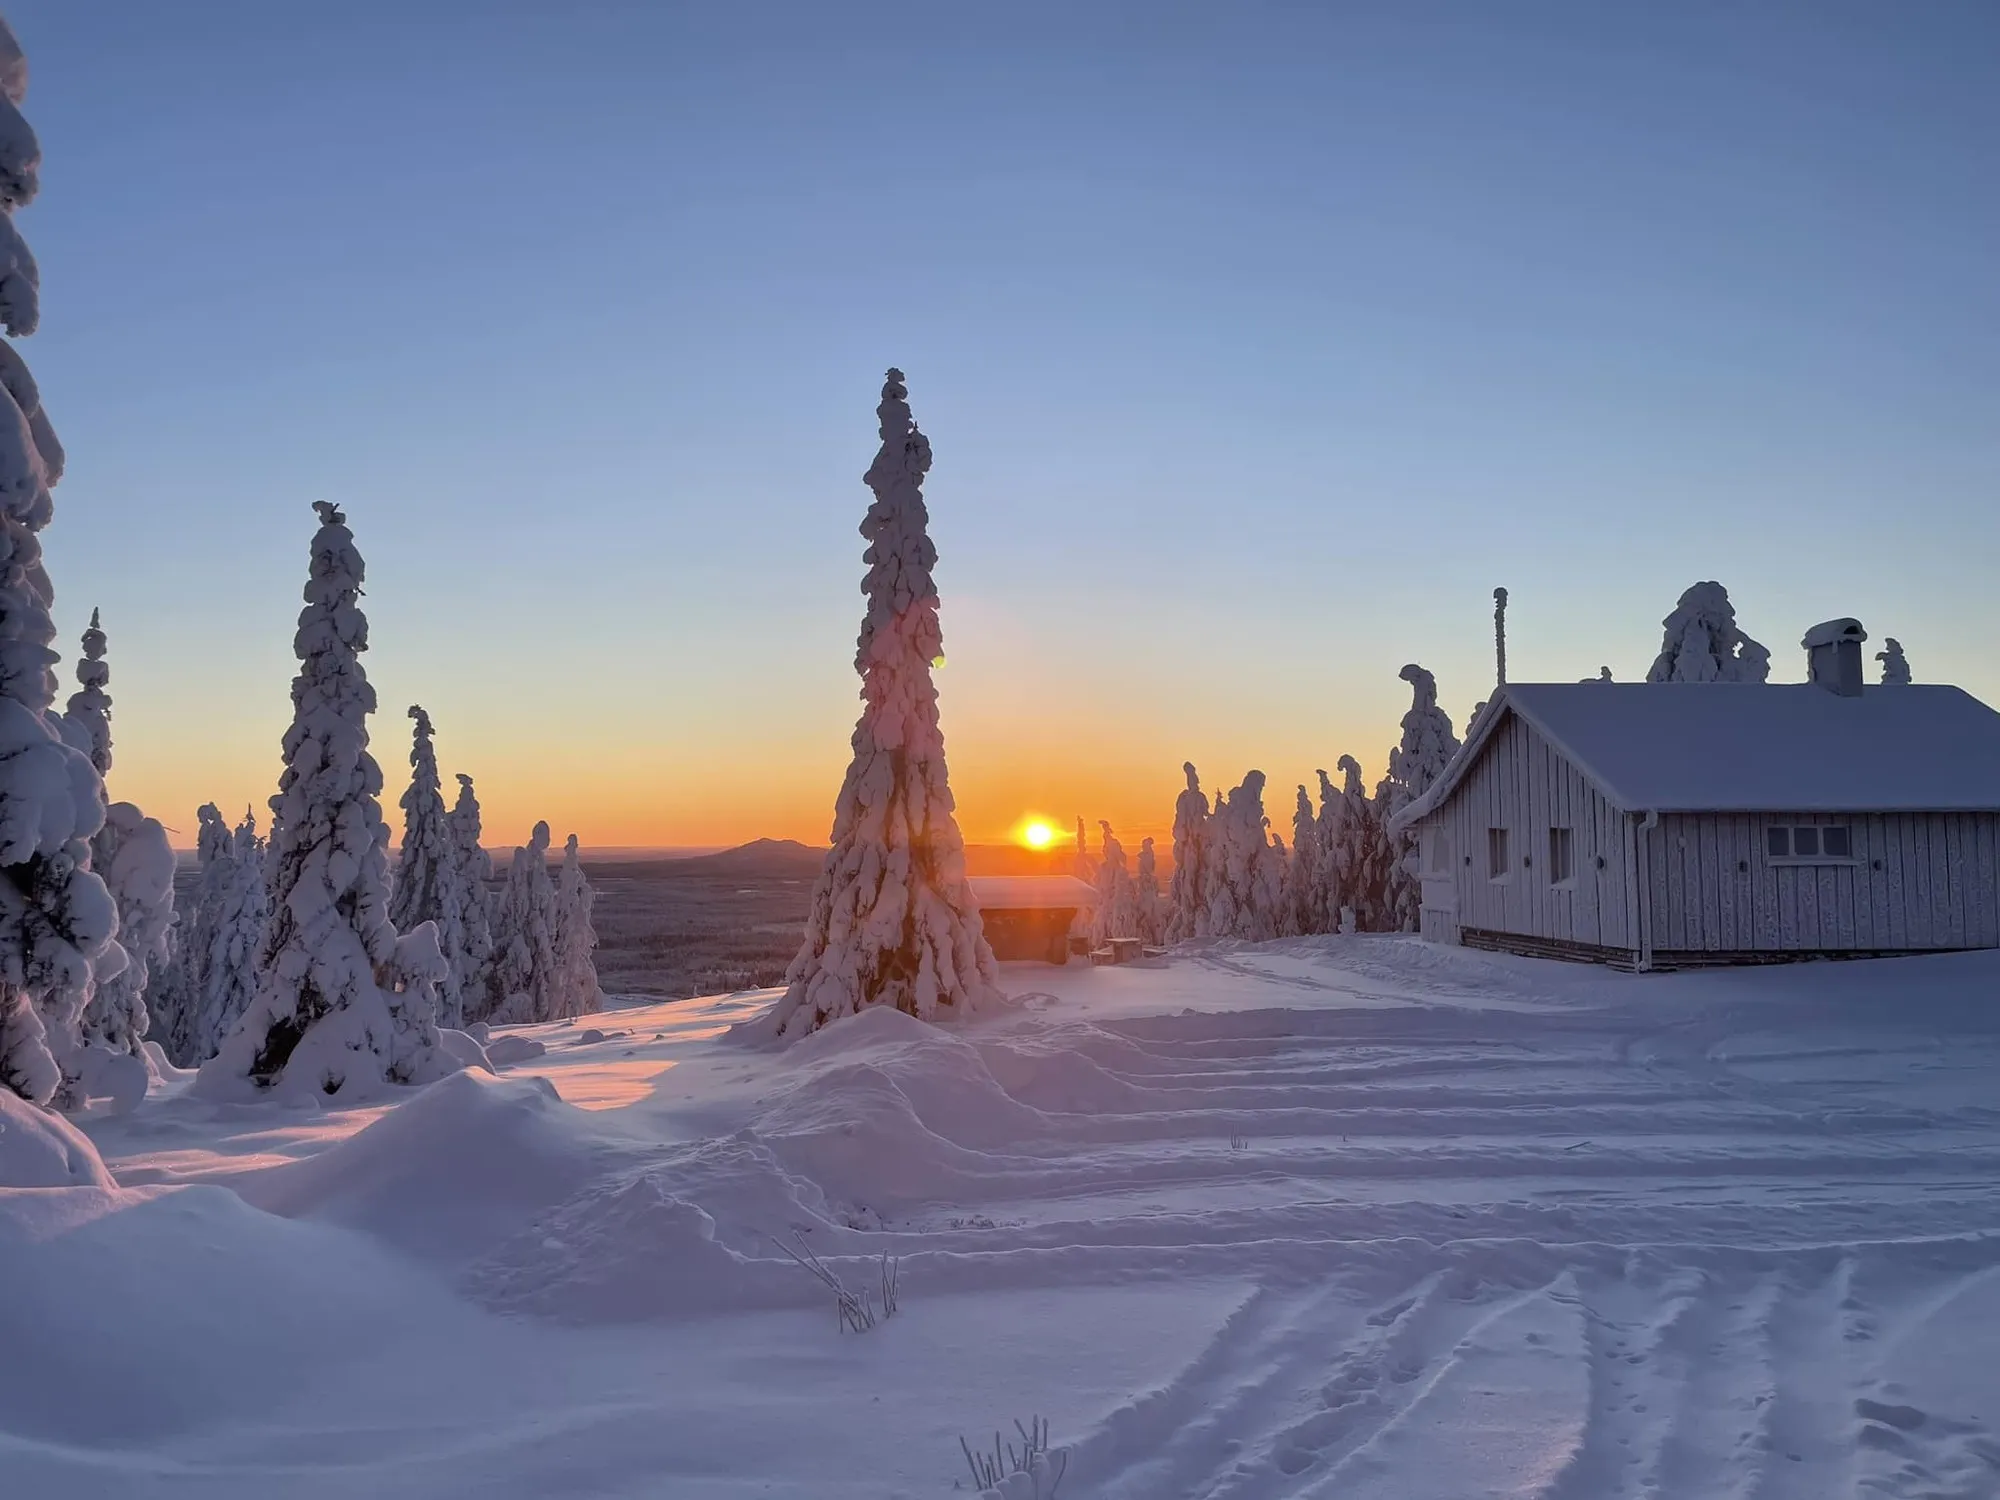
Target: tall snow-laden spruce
{"x":527,"y":984}
{"x":576,"y":936}
{"x":1086,"y":870}
{"x":1702,"y":642}
{"x":1895,"y":666}
{"x":1243,"y":871}
{"x":471,"y":965}
{"x":133,"y":857}
{"x":1426,"y":749}
{"x":1305,"y":906}
{"x":345,"y":1004}
{"x":1117,"y":913}
{"x":1187,"y":907}
{"x":56,"y":917}
{"x":171,"y":1003}
{"x":1152,"y":908}
{"x":429,"y":884}
{"x":232,"y":911}
{"x":893,"y":921}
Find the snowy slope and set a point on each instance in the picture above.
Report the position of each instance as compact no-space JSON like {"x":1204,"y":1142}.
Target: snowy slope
{"x":1332,"y":1217}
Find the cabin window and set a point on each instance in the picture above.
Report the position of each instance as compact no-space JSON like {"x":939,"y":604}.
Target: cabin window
{"x":1562,"y":861}
{"x":1810,"y":843}
{"x":1498,"y":865}
{"x":1437,"y":852}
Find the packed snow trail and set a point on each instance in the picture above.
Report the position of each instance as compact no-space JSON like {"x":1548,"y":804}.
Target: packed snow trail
{"x":1334,"y":1217}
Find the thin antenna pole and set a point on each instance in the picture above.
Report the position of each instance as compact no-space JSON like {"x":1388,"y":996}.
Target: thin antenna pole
{"x":1500,"y":636}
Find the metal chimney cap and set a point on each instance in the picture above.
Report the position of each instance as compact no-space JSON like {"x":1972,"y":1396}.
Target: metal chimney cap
{"x":1833,"y":632}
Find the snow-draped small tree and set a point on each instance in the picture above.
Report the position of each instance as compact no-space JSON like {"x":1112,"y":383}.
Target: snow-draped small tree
{"x":1305,"y":893}
{"x":231,"y":933}
{"x":56,"y":917}
{"x":1187,"y":906}
{"x":1895,"y":666}
{"x":527,"y":981}
{"x":472,"y":964}
{"x":339,"y":1009}
{"x":1117,"y":912}
{"x":576,"y":937}
{"x":1426,"y":749}
{"x":1086,"y":869}
{"x":171,"y":998}
{"x":1146,"y":888}
{"x":1603,"y":675}
{"x":1702,"y":642}
{"x":1243,"y":872}
{"x":430,"y":882}
{"x":893,"y":919}
{"x":1356,"y":871}
{"x":87,"y":718}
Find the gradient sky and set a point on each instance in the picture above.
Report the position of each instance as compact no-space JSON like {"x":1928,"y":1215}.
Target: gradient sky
{"x":1257,"y":343}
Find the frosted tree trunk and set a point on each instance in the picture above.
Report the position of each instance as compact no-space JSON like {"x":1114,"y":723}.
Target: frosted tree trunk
{"x":576,"y":937}
{"x":1187,"y":907}
{"x":472,"y":962}
{"x":429,"y":883}
{"x":56,"y":917}
{"x":338,"y":1011}
{"x":893,"y":919}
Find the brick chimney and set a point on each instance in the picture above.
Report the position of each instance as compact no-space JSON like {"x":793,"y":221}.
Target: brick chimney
{"x":1833,"y":656}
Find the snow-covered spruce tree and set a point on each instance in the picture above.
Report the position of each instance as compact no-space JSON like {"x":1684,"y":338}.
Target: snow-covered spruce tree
{"x":170,"y":999}
{"x":1355,"y":874}
{"x":232,"y":935}
{"x":1117,"y":912}
{"x":893,"y":920}
{"x":1086,"y":869}
{"x":1426,"y":749}
{"x":527,"y":983}
{"x":344,"y":1004}
{"x":430,"y":881}
{"x":56,"y":917}
{"x":1187,"y":908}
{"x":472,"y":964}
{"x":1243,"y":873}
{"x":1702,"y":642}
{"x":1305,"y":909}
{"x":87,"y":717}
{"x":576,"y":937}
{"x":1895,"y":666}
{"x":1146,"y":887}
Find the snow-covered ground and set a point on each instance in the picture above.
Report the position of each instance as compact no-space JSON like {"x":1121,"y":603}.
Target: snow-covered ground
{"x":1339,"y":1217}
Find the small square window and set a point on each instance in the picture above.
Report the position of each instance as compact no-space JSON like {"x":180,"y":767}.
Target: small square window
{"x":1835,"y":844}
{"x":1498,"y":865}
{"x":1562,"y":862}
{"x":1805,"y":843}
{"x":1437,"y":852}
{"x":1778,"y":842}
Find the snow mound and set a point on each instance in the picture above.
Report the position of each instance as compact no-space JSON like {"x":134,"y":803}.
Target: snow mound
{"x":450,"y":1173}
{"x":43,"y":1150}
{"x":505,"y":1051}
{"x":632,"y":1249}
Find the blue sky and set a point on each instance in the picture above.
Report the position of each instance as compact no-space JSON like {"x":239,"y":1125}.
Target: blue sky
{"x":1257,"y":343}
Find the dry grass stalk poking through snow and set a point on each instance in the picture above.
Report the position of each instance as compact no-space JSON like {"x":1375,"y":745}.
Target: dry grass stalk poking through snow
{"x":856,"y":1309}
{"x":1032,"y":1472}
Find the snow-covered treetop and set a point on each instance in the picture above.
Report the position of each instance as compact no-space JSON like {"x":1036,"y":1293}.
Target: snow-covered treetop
{"x":90,"y":707}
{"x":901,"y":621}
{"x":1895,"y":666}
{"x":1702,"y":642}
{"x":1428,"y":742}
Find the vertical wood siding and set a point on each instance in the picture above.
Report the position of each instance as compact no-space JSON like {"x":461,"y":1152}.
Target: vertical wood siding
{"x":1522,"y":785}
{"x":1917,"y":880}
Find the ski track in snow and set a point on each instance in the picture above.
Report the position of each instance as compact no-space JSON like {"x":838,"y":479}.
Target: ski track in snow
{"x":1467,"y":1226}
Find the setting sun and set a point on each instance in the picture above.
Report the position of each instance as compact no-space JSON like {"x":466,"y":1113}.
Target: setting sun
{"x":1038,"y":835}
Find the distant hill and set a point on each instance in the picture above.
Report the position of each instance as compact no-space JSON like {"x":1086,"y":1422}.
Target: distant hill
{"x":760,"y":859}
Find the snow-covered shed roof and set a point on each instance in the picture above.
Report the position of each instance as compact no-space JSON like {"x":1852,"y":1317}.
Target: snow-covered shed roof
{"x":1031,"y":892}
{"x":1755,"y":747}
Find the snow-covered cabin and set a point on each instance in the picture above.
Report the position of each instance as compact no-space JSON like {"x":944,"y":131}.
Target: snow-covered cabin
{"x":1664,"y":824}
{"x":1030,"y":916}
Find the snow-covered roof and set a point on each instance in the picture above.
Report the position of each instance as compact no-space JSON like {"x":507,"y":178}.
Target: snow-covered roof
{"x":1750,"y":747}
{"x":1031,"y":892}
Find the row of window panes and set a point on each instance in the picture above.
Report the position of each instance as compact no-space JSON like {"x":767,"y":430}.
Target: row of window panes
{"x":1562,"y":855}
{"x":1809,"y":841}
